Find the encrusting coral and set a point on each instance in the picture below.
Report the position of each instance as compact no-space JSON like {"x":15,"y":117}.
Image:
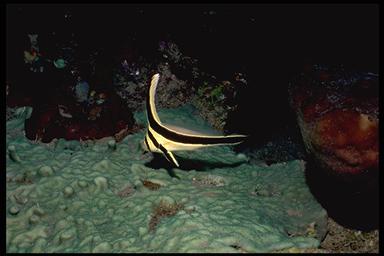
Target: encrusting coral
{"x":162,"y":210}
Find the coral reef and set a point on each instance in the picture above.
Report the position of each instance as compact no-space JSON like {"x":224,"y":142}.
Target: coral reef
{"x":127,"y":191}
{"x":216,"y":100}
{"x":72,"y":93}
{"x":349,"y":241}
{"x":170,"y":50}
{"x":181,"y":81}
{"x":209,"y":181}
{"x":337,"y":112}
{"x":151,"y":185}
{"x":172,"y":91}
{"x":74,"y":121}
{"x":85,"y":197}
{"x":162,"y":210}
{"x":283,"y":148}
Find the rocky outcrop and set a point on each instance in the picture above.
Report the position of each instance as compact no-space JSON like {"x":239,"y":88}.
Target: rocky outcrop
{"x":337,"y":111}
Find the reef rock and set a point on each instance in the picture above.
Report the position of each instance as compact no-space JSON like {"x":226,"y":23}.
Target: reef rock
{"x":337,"y":111}
{"x":106,"y":116}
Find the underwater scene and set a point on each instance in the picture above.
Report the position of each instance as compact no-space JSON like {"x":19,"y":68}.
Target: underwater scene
{"x":192,"y":128}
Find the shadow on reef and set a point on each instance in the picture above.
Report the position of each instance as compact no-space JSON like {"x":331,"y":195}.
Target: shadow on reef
{"x":186,"y":164}
{"x":352,"y":201}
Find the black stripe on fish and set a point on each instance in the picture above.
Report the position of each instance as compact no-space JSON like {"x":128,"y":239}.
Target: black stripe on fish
{"x":166,"y":153}
{"x":152,"y":138}
{"x":187,"y":139}
{"x":147,"y":144}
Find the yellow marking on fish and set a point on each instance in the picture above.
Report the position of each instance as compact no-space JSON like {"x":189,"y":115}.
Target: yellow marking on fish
{"x":167,"y":138}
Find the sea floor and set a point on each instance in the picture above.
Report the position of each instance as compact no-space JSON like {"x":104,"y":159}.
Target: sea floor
{"x":101,"y":196}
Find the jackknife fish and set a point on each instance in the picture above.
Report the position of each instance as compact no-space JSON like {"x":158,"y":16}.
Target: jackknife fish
{"x":164,"y":139}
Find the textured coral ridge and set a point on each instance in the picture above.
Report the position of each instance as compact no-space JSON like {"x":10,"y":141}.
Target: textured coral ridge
{"x":338,"y":116}
{"x":98,"y":197}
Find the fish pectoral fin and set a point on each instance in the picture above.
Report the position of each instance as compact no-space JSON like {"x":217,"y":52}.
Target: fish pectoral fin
{"x":169,"y":155}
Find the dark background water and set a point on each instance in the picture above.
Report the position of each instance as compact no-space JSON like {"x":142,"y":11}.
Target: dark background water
{"x":269,"y":43}
{"x":222,"y":37}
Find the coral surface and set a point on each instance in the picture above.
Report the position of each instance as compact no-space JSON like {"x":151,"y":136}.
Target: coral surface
{"x":72,"y":197}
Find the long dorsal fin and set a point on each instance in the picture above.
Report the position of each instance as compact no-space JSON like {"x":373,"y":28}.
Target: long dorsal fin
{"x":152,"y":91}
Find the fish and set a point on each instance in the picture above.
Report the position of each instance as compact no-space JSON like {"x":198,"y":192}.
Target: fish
{"x":165,"y":139}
